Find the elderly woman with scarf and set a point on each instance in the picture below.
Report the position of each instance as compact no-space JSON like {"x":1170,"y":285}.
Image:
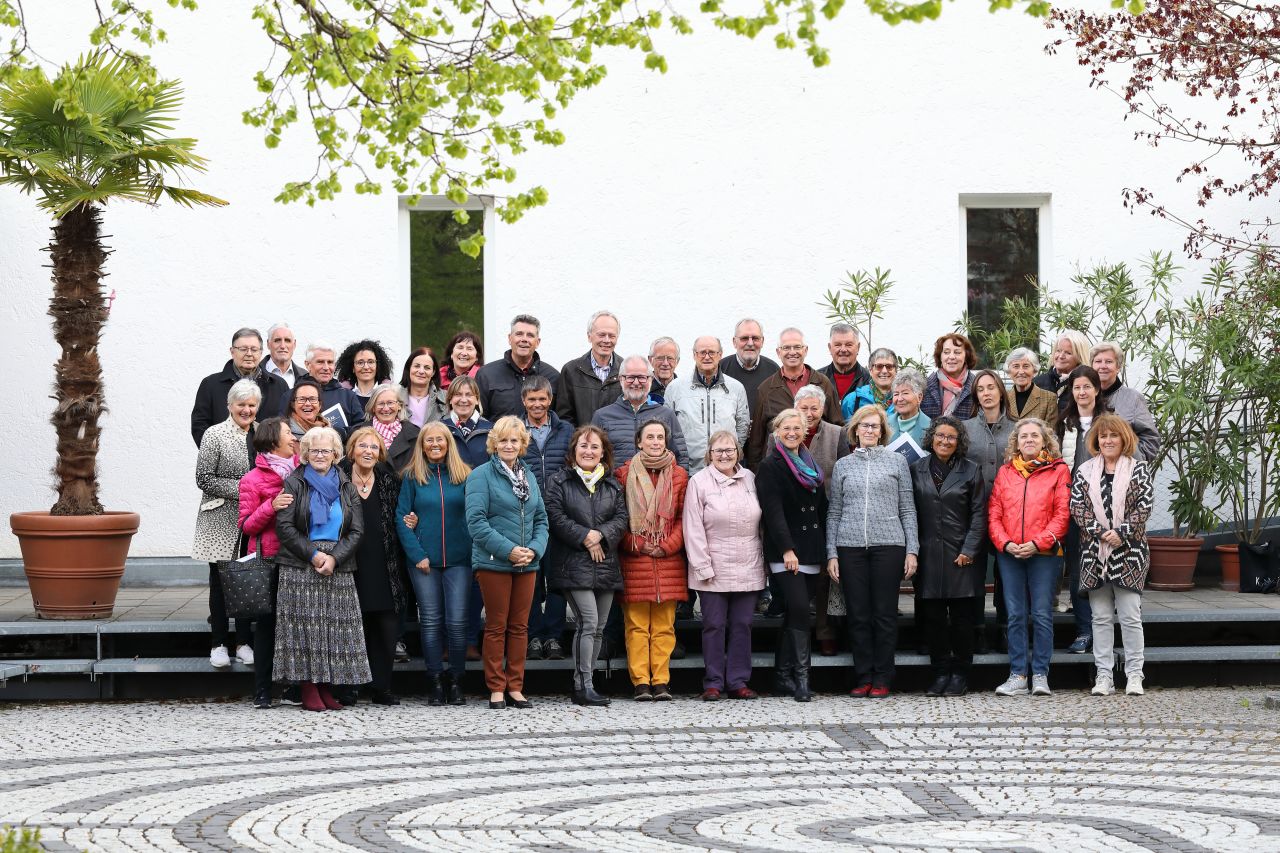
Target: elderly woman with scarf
{"x":385,"y":413}
{"x":319,"y":631}
{"x":262,"y":495}
{"x":1111,"y":497}
{"x":508,"y":525}
{"x":653,"y":564}
{"x":791,"y":484}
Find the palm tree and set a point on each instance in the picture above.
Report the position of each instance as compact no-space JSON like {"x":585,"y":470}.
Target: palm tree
{"x":92,"y":135}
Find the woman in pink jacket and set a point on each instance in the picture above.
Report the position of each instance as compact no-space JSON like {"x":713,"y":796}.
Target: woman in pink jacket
{"x":726,"y":564}
{"x":261,"y":495}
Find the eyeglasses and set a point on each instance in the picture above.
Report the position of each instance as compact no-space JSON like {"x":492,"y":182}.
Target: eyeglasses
{"x":367,"y":362}
{"x":881,"y":367}
{"x":306,"y":401}
{"x":664,"y":358}
{"x":320,"y":451}
{"x":706,"y":353}
{"x":724,"y":451}
{"x":872,"y":427}
{"x":393,"y":404}
{"x":791,"y":348}
{"x":243,"y":350}
{"x":748,"y":338}
{"x":632,"y":377}
{"x":946,"y":439}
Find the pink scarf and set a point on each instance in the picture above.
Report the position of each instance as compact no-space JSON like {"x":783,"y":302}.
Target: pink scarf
{"x":950,"y":389}
{"x":388,"y":431}
{"x":282,"y":465}
{"x":1093,"y":471}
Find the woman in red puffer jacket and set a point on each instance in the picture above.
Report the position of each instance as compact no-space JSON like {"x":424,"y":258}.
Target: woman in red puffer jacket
{"x":1027,"y":518}
{"x":654,"y":572}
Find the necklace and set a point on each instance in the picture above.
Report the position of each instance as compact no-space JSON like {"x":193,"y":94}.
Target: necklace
{"x":362,"y":486}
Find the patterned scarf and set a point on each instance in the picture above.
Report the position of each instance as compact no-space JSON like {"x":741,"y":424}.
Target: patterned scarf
{"x":590,"y":478}
{"x":282,"y":465}
{"x":324,"y":491}
{"x":1026,"y":469}
{"x":651,"y":506}
{"x":951,"y":389}
{"x":801,"y":466}
{"x":1092,"y":472}
{"x":516,"y":477}
{"x":388,"y":431}
{"x":465,"y":427}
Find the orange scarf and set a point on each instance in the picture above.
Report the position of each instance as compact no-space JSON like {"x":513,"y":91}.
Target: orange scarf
{"x":1026,"y":469}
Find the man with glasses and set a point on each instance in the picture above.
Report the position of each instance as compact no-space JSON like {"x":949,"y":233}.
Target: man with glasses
{"x":747,"y":364}
{"x":778,"y":392}
{"x":879,"y":391}
{"x":844,"y":371}
{"x":708,"y":401}
{"x":211,"y":397}
{"x":590,"y":381}
{"x":664,"y":355}
{"x":339,"y":405}
{"x":633,"y":408}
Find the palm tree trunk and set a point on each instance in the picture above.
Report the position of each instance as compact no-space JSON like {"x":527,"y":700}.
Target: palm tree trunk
{"x":79,"y":312}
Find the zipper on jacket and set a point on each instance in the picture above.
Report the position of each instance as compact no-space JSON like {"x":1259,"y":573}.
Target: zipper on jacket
{"x":866,"y":502}
{"x":444,"y":551}
{"x":1026,"y":484}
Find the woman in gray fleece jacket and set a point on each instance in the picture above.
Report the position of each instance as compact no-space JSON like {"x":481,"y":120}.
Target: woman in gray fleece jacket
{"x":872,"y":544}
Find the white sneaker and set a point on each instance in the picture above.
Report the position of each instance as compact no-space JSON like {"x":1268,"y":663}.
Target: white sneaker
{"x":1104,"y":686}
{"x":1016,"y":685}
{"x":1040,"y":686}
{"x":244,"y":654}
{"x":1133,"y":685}
{"x":219,"y":657}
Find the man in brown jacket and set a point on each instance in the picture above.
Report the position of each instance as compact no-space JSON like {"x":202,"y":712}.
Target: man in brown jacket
{"x":778,"y":392}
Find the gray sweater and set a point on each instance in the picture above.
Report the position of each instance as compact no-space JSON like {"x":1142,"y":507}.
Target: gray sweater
{"x":871,"y":502}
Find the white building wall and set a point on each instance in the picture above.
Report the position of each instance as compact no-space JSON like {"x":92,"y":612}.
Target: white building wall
{"x":742,"y":182}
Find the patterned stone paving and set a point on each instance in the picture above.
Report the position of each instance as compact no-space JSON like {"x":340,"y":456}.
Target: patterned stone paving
{"x":1189,"y":769}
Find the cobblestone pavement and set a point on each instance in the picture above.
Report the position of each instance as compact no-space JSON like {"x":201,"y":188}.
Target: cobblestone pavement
{"x":1188,"y":769}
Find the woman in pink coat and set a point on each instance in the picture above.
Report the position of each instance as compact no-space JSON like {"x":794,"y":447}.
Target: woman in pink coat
{"x":261,"y":495}
{"x":726,"y":564}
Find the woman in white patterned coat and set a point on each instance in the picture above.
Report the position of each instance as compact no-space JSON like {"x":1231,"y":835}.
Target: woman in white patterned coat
{"x":224,"y":459}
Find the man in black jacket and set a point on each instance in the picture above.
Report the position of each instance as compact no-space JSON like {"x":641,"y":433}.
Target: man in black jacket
{"x":590,"y":381}
{"x":502,"y":382}
{"x":211,"y":397}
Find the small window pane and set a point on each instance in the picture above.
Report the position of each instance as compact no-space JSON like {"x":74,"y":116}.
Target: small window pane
{"x":1003,"y":257}
{"x":446,"y":288}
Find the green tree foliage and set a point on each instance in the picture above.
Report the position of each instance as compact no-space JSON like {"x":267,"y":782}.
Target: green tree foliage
{"x":440,"y":96}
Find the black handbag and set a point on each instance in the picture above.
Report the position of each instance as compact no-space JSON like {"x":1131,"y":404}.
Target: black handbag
{"x":1259,"y":568}
{"x":247,"y":586}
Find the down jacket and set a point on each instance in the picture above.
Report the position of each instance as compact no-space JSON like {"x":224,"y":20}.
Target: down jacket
{"x":258,"y":489}
{"x":722,"y":532}
{"x":647,"y":578}
{"x":550,"y":458}
{"x":572,"y":512}
{"x":473,"y":448}
{"x":498,"y":521}
{"x":293,"y":524}
{"x":1031,"y":509}
{"x":952,"y":521}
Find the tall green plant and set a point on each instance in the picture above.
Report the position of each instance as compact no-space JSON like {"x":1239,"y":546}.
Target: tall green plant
{"x":860,"y":300}
{"x":94,"y":134}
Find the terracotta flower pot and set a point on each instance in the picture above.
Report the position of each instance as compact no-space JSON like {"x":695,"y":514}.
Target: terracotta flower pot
{"x":1230,"y":555}
{"x":1173,"y":563}
{"x":74,"y":562}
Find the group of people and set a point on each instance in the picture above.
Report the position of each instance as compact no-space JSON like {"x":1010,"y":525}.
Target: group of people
{"x":484,"y":499}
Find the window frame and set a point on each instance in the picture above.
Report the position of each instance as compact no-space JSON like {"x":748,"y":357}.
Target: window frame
{"x":483,"y":204}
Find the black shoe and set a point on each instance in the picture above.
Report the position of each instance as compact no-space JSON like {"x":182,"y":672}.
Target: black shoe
{"x":784,"y":678}
{"x":661,"y":693}
{"x":262,"y":701}
{"x":957,"y":685}
{"x":385,"y":697}
{"x":453,"y":689}
{"x":522,"y":704}
{"x":534,"y":651}
{"x":577,"y":697}
{"x":552,"y":650}
{"x":980,"y":641}
{"x":496,"y":706}
{"x":435,"y":691}
{"x":1082,"y":645}
{"x":798,"y":642}
{"x":684,"y":610}
{"x":592,"y":699}
{"x":292,"y":695}
{"x":764,"y":602}
{"x":402,"y":652}
{"x":939,"y":685}
{"x":347,"y":697}
{"x":679,"y":651}
{"x":643,"y":693}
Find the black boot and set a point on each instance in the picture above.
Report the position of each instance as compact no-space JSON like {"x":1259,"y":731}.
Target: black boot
{"x":591,"y":698}
{"x":784,"y":679}
{"x":453,"y":689}
{"x":797,"y":640}
{"x":435,"y":691}
{"x":940,"y":680}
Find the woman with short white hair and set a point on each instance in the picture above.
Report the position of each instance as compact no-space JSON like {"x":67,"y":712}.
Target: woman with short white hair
{"x":1026,"y":399}
{"x":907,"y":414}
{"x":224,"y":458}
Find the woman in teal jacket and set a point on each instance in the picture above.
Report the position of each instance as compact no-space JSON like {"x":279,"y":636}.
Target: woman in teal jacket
{"x":433,"y":497}
{"x":508,"y":526}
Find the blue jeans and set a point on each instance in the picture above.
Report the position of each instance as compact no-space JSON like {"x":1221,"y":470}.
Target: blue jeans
{"x":1037,"y":576}
{"x":442,"y":610}
{"x":546,"y":617}
{"x":1081,"y":608}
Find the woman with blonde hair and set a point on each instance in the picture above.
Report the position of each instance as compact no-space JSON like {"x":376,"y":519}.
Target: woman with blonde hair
{"x":1070,"y":350}
{"x":1111,"y":499}
{"x":386,"y":414}
{"x":508,"y":525}
{"x":438,"y":552}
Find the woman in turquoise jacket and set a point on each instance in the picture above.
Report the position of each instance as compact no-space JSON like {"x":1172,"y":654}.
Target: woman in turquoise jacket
{"x":433,"y":497}
{"x":508,"y":526}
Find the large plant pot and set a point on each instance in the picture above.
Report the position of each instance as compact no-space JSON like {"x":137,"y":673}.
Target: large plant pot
{"x":1230,"y":556}
{"x":74,"y":562}
{"x":1173,"y":563}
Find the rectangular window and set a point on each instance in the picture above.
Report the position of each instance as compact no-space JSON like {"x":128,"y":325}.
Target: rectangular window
{"x":446,"y":288}
{"x":1003,"y":238}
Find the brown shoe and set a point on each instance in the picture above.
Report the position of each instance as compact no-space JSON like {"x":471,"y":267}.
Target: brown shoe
{"x":473,"y":653}
{"x":643,"y":693}
{"x":711,"y":694}
{"x":661,"y":693}
{"x":743,"y":692}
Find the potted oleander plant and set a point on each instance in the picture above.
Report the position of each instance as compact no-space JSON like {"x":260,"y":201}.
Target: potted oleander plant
{"x":94,"y":134}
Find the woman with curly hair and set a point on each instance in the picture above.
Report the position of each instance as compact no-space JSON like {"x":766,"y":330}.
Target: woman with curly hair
{"x":362,"y":366}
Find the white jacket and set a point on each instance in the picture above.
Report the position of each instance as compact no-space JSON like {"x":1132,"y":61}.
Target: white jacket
{"x":704,"y":411}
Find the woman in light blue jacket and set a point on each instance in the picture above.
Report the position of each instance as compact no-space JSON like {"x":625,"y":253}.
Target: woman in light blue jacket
{"x":508,"y":526}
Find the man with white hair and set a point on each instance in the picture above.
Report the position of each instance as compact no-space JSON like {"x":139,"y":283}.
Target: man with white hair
{"x":210,"y":406}
{"x":707,"y":401}
{"x":664,"y":356}
{"x":591,"y":381}
{"x":623,"y":417}
{"x":279,"y":360}
{"x":747,"y":363}
{"x":844,"y":371}
{"x":339,"y":405}
{"x":778,"y":392}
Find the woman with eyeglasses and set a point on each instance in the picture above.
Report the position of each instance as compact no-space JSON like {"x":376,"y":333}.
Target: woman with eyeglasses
{"x":883,"y":367}
{"x":871,"y":546}
{"x":302,"y":407}
{"x":386,"y":414}
{"x":363,"y":365}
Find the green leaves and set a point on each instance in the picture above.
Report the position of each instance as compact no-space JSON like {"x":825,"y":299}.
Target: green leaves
{"x":860,"y":300}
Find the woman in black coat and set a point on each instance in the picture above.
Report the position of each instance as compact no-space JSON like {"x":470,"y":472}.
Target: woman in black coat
{"x":793,"y":505}
{"x":587,"y":516}
{"x":951,"y":509}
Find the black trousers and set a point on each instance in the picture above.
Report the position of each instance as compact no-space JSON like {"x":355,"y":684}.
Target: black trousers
{"x":381,"y":631}
{"x":948,"y":624}
{"x":869,"y":579}
{"x":218,"y":617}
{"x":796,"y":591}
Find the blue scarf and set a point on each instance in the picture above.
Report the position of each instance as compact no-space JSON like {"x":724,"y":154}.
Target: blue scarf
{"x":802,"y":466}
{"x":324,"y":491}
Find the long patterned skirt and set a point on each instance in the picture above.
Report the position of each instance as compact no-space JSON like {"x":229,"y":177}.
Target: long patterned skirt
{"x":319,"y":631}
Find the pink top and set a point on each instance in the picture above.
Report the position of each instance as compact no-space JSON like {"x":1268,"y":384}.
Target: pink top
{"x":722,"y":532}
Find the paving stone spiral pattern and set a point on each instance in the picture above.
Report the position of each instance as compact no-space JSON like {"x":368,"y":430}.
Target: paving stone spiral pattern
{"x":1195,"y":769}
